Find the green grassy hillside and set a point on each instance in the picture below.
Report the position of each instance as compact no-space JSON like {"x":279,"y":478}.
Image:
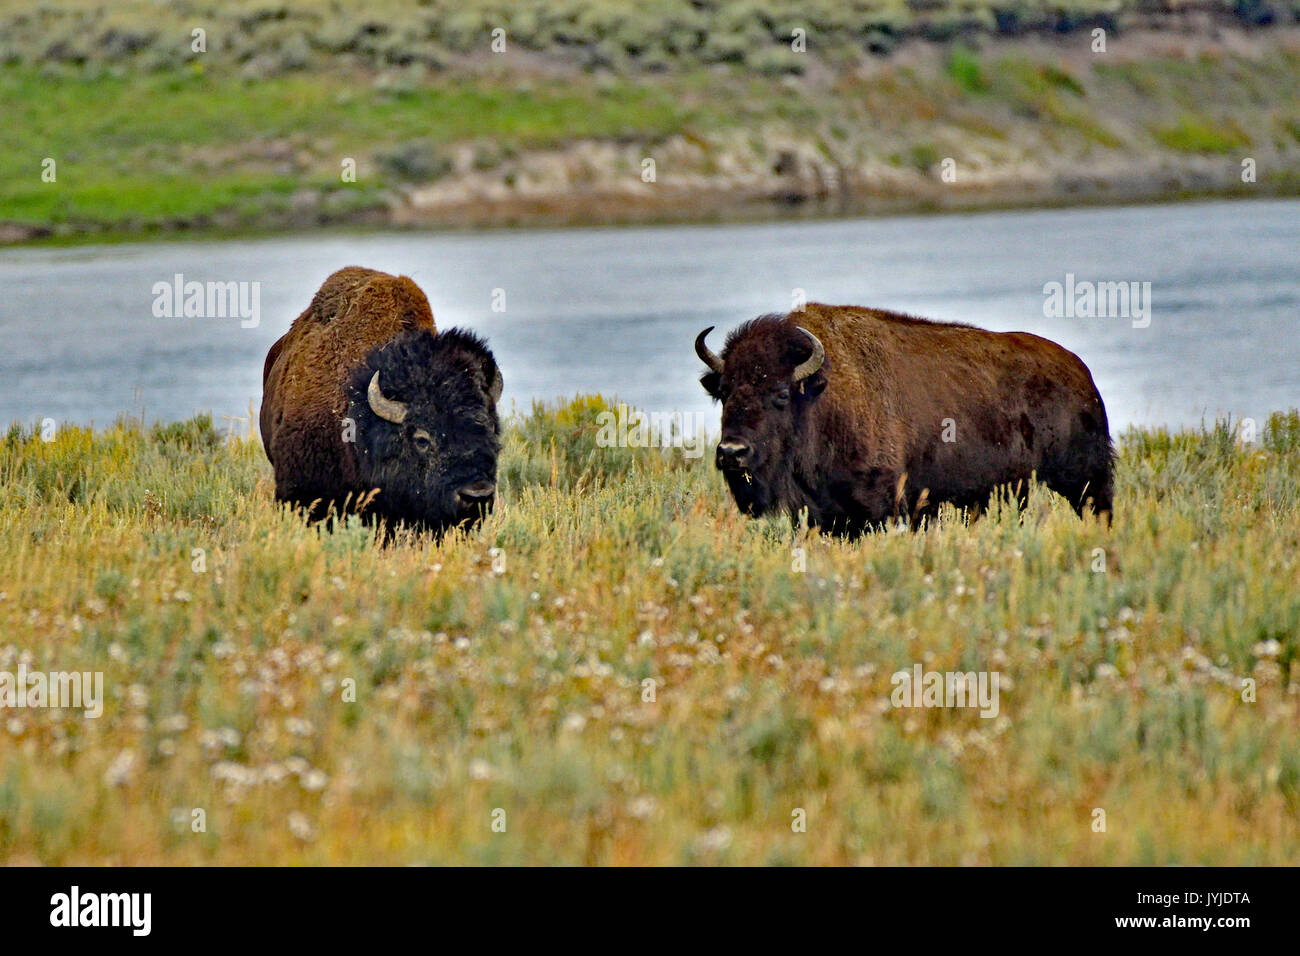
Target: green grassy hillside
{"x":256,"y":130}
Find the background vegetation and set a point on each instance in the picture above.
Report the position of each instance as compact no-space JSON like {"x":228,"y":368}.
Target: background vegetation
{"x":625,"y":35}
{"x":150,"y":135}
{"x":504,"y":668}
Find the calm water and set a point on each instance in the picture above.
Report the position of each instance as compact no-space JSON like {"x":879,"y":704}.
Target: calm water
{"x":615,"y":310}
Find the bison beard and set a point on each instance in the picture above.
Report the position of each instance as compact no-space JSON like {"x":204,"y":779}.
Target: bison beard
{"x":856,"y":416}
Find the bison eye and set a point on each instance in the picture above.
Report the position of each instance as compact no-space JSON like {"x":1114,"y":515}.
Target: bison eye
{"x":781,"y":399}
{"x":422,"y":441}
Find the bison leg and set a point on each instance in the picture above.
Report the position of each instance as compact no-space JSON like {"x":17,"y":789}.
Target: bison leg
{"x":1086,"y":487}
{"x":1099,"y":495}
{"x":881,"y":496}
{"x":1080,"y":467}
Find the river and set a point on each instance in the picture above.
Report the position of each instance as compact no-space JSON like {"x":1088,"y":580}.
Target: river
{"x":615,"y":310}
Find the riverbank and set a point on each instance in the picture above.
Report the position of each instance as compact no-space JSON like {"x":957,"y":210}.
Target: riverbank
{"x":252,"y":139}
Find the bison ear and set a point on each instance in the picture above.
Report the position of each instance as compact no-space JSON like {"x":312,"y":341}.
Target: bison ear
{"x":492,"y":375}
{"x":712,"y":383}
{"x":812,"y":386}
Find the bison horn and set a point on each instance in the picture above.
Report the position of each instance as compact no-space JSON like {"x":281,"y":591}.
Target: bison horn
{"x":707,"y":356}
{"x":385,"y":408}
{"x":813,"y":362}
{"x":498,"y":384}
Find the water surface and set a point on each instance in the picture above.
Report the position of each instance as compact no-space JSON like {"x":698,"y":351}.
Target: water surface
{"x":615,"y":310}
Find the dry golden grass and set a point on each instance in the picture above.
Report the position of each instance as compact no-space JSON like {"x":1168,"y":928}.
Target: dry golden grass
{"x":513,"y":680}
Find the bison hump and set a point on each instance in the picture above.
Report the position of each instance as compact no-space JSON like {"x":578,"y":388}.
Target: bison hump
{"x":356,"y":294}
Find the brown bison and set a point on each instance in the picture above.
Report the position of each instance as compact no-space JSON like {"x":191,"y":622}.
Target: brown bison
{"x":365,"y":405}
{"x":860,"y":416}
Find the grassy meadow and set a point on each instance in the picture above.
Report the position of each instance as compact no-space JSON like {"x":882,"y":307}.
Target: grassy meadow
{"x":324,"y":700}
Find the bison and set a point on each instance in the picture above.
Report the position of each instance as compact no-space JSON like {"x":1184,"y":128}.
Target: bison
{"x":859,"y":416}
{"x":366,"y":407}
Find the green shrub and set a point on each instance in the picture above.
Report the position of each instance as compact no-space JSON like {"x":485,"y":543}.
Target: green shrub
{"x":966,"y":71}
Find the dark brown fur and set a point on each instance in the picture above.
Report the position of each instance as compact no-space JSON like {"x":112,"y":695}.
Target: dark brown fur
{"x":862,"y":440}
{"x":304,"y":380}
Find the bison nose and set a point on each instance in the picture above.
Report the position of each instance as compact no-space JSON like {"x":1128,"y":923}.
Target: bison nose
{"x":733,"y":453}
{"x":478,"y":493}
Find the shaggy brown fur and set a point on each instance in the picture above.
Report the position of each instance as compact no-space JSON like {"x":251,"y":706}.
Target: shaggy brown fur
{"x":304,"y":380}
{"x":863,"y":439}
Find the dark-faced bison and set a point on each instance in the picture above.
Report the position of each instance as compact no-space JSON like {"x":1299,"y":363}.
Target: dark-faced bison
{"x":860,"y":416}
{"x":366,"y":407}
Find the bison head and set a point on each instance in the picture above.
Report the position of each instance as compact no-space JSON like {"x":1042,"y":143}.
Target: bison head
{"x":769,"y":374}
{"x":427,"y":432}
